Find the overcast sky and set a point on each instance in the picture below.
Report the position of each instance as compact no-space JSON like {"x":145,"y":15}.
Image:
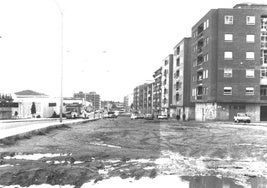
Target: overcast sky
{"x":110,"y":46}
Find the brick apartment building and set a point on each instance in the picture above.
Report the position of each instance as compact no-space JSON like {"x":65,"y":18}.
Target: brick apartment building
{"x":229,"y":63}
{"x":181,"y":104}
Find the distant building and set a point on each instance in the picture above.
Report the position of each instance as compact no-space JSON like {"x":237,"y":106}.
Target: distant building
{"x":167,"y":84}
{"x":126,"y":104}
{"x":229,"y":63}
{"x":92,"y":97}
{"x":181,"y":105}
{"x":143,"y":98}
{"x":157,"y":91}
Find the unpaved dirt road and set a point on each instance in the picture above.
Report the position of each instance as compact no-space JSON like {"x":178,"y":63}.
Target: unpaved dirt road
{"x":76,"y":154}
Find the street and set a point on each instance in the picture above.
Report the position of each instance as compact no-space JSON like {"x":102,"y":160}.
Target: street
{"x":98,"y":152}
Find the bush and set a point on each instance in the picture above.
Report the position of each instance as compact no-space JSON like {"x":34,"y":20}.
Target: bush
{"x":55,"y":115}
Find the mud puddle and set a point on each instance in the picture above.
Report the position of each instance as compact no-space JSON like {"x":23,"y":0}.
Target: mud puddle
{"x":179,"y":181}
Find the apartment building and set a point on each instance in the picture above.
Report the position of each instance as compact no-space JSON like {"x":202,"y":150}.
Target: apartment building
{"x":157,"y":92}
{"x":92,"y":97}
{"x":143,"y":99}
{"x":229,"y":63}
{"x":181,"y":107}
{"x":167,"y":84}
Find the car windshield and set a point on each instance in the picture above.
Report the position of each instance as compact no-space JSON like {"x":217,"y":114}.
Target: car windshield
{"x":243,"y":115}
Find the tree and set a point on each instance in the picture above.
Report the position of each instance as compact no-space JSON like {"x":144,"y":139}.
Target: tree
{"x":33,"y":108}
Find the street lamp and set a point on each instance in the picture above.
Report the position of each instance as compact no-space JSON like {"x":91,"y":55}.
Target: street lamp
{"x":61,"y":64}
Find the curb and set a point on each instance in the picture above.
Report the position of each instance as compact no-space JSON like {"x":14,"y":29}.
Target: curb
{"x":30,"y":133}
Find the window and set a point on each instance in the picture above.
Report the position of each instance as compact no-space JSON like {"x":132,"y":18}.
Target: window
{"x":166,"y":62}
{"x":206,"y":57}
{"x":206,"y":91}
{"x":199,"y":90}
{"x":206,"y":24}
{"x":228,"y":73}
{"x":206,"y":41}
{"x":264,"y":56}
{"x":263,"y":72}
{"x":228,"y":19}
{"x":177,"y":85}
{"x":250,"y":73}
{"x":228,"y":55}
{"x":263,"y":91}
{"x":177,"y":73}
{"x":52,"y":104}
{"x":207,"y":73}
{"x":194,"y":63}
{"x":250,"y":55}
{"x":227,"y":90}
{"x":194,"y":92}
{"x":250,"y":20}
{"x":200,"y":75}
{"x":228,"y":37}
{"x":250,"y":38}
{"x":178,"y":50}
{"x":249,"y":90}
{"x":178,"y":62}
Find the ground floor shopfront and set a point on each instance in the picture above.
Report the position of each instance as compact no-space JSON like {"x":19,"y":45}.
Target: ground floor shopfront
{"x":227,"y":111}
{"x":183,"y":112}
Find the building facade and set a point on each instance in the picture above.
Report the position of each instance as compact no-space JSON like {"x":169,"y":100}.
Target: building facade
{"x":229,"y":58}
{"x":167,"y":84}
{"x":143,"y":98}
{"x":157,"y":92}
{"x":181,"y":107}
{"x":45,"y":105}
{"x":92,"y":97}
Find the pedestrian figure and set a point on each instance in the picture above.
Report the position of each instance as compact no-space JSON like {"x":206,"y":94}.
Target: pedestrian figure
{"x":183,"y":117}
{"x":178,"y":117}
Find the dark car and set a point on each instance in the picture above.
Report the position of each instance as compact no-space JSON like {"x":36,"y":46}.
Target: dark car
{"x":112,"y":115}
{"x":149,"y":116}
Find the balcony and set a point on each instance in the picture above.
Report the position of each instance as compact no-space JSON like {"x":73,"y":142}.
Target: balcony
{"x":199,"y":97}
{"x":200,"y":59}
{"x":199,"y":50}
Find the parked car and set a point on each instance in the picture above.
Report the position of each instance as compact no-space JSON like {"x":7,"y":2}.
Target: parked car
{"x":149,"y":116}
{"x":162,"y":117}
{"x":133,"y":116}
{"x":242,"y":117}
{"x":112,"y":115}
{"x":72,"y":115}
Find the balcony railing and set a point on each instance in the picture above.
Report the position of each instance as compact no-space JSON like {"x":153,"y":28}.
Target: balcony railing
{"x":199,"y":97}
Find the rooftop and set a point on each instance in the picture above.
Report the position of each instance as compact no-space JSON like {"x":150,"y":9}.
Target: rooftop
{"x":30,"y":92}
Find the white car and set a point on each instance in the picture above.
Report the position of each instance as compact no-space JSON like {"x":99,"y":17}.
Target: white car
{"x":133,"y":116}
{"x":162,"y":117}
{"x":242,"y":117}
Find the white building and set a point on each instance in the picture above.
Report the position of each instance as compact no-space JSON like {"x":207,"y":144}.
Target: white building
{"x":45,"y":105}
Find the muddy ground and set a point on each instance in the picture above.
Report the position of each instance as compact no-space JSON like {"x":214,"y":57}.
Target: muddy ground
{"x":134,"y":148}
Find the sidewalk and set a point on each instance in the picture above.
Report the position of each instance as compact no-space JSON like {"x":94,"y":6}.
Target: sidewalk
{"x":5,"y":133}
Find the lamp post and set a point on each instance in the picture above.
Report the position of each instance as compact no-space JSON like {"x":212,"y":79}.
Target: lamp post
{"x":61,"y":64}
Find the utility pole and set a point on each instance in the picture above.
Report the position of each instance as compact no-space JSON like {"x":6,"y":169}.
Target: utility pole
{"x":61,"y":64}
